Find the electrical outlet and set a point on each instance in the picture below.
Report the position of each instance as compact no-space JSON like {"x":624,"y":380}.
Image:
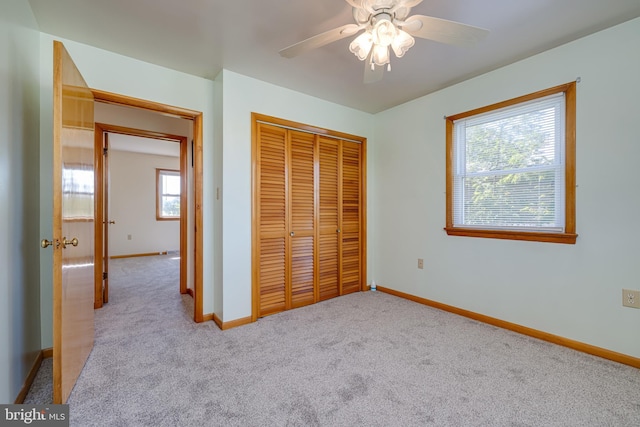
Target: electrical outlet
{"x":420,"y":263}
{"x":631,"y":298}
{"x":128,"y":236}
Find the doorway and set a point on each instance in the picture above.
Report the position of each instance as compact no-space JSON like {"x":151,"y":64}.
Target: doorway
{"x":190,"y":170}
{"x":131,"y":156}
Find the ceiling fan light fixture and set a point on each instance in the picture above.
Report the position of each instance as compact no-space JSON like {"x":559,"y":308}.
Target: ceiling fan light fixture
{"x":361,"y":45}
{"x":387,"y":26}
{"x":380,"y":55}
{"x":402,"y":43}
{"x":384,"y":32}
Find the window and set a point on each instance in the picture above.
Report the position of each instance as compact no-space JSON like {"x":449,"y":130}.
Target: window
{"x":168,"y":194}
{"x":511,"y":169}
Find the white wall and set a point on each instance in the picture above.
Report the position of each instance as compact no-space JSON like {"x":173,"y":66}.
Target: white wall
{"x":242,"y":96}
{"x":217,"y":214}
{"x":132,"y":205}
{"x":577,"y":294}
{"x":115,"y":73}
{"x":19,"y":196}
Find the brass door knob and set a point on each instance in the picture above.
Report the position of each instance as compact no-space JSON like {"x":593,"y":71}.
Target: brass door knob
{"x":112,"y":222}
{"x":292,"y":234}
{"x":73,"y":242}
{"x":46,"y":243}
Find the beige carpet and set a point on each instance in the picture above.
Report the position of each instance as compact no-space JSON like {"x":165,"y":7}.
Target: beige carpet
{"x":366,"y":359}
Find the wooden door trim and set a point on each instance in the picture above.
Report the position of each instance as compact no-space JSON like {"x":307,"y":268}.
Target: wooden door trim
{"x":262,"y":118}
{"x":257,"y":118}
{"x":255,"y":214}
{"x":197,"y":118}
{"x":99,"y":216}
{"x":100,"y":130}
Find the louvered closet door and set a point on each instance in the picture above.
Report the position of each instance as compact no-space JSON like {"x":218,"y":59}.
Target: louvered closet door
{"x":301,"y":218}
{"x":351,"y":270}
{"x":329,"y":218}
{"x":272,"y":218}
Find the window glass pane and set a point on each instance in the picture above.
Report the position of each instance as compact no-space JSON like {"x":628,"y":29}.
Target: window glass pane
{"x":515,"y":142}
{"x":520,"y":200}
{"x":171,"y":184}
{"x":171,"y":206}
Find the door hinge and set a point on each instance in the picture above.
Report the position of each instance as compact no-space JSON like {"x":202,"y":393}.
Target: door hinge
{"x":105,"y":275}
{"x":105,"y":151}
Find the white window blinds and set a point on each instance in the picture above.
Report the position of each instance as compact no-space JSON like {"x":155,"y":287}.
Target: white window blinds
{"x":509,"y":167}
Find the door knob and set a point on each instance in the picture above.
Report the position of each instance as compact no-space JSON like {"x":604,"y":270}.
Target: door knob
{"x":46,"y":243}
{"x":292,"y":234}
{"x":110,"y":222}
{"x":73,"y":242}
{"x":338,"y":230}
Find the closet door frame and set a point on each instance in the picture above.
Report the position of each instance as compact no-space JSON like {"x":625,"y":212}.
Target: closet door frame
{"x":257,"y":118}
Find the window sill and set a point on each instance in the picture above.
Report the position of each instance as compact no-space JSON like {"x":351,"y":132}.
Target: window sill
{"x":177,"y":218}
{"x":531,"y":236}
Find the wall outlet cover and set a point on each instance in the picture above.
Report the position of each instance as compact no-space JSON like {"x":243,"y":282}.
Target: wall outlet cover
{"x":631,"y":298}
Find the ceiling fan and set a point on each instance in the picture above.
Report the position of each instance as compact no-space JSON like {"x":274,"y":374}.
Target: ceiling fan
{"x":387,"y":26}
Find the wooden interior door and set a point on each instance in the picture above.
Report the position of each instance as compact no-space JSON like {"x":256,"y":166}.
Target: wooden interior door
{"x":270,"y":267}
{"x":351,"y":203}
{"x":309,"y":223}
{"x":329,"y":218}
{"x":302,"y":219}
{"x":73,"y":223}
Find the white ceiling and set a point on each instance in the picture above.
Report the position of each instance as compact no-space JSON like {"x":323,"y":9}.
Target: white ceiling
{"x":201,"y":37}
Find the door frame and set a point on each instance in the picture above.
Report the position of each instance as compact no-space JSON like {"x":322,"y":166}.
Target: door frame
{"x":197,"y":118}
{"x":102,"y":196}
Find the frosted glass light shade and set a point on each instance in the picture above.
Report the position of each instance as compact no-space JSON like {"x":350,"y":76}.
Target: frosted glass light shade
{"x":361,"y":45}
{"x":384,"y":33}
{"x":402,"y":43}
{"x":380,"y":55}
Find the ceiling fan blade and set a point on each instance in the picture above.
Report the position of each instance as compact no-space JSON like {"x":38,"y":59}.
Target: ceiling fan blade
{"x":443,"y":31}
{"x":372,"y":76}
{"x":408,"y":4}
{"x":320,"y":40}
{"x":354,"y":3}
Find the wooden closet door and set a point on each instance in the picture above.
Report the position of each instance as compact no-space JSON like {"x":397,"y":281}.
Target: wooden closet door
{"x":271,"y":210}
{"x":329,"y":218}
{"x":301,"y":219}
{"x":351,"y":265}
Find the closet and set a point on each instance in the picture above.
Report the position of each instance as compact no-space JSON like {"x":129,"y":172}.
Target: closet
{"x":308,"y":228}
